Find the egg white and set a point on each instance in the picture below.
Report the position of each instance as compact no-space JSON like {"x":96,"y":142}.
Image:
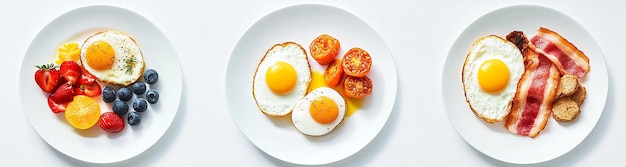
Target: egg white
{"x":125,"y":47}
{"x":275,"y":104}
{"x":301,"y":116}
{"x":492,"y":107}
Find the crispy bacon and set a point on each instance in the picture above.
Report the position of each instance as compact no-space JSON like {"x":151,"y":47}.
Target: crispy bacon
{"x":565,"y":56}
{"x":532,"y":103}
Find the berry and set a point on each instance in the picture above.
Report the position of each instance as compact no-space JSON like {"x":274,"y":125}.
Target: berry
{"x":124,"y":94}
{"x":91,"y":90}
{"x":86,"y":78}
{"x":47,"y":77}
{"x":56,"y":107}
{"x":63,"y":94}
{"x":108,"y":94}
{"x":152,"y":96}
{"x":71,"y":71}
{"x":111,"y":122}
{"x":140,"y":105}
{"x":150,"y":76}
{"x":138,"y":88}
{"x":120,"y":107}
{"x":133,"y":118}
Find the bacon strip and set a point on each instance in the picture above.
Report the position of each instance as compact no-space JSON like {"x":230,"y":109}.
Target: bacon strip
{"x":532,"y":104}
{"x":567,"y":58}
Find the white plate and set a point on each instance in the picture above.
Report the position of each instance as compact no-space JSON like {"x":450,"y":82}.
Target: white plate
{"x":94,"y":145}
{"x":493,"y":139}
{"x":301,"y":24}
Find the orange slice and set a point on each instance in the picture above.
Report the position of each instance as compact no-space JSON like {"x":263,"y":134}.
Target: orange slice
{"x":83,"y":112}
{"x":69,"y":51}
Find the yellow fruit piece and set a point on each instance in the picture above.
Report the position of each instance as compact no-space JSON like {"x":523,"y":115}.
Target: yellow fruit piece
{"x":83,"y":112}
{"x":69,"y":51}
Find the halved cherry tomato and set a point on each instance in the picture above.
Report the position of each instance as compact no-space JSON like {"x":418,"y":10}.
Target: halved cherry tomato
{"x":357,"y":87}
{"x":324,"y":49}
{"x":333,"y":73}
{"x":356,"y":62}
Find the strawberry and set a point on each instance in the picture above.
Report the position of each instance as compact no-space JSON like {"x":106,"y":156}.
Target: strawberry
{"x":63,"y":94}
{"x":86,"y":78}
{"x":56,"y":107}
{"x":71,"y":71}
{"x":90,"y":90}
{"x":47,"y":77}
{"x":111,"y":122}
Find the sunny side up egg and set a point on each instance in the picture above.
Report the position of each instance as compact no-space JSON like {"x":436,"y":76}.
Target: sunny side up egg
{"x":491,"y":73}
{"x":112,"y":57}
{"x":281,"y":79}
{"x":319,"y":112}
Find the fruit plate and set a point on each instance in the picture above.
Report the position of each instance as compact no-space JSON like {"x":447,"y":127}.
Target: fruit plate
{"x":94,"y":145}
{"x":277,"y":136}
{"x":493,"y":139}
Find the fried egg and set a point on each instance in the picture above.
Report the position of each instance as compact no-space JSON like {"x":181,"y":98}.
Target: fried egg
{"x":491,"y":72}
{"x":319,"y":112}
{"x":112,"y":57}
{"x":281,"y":79}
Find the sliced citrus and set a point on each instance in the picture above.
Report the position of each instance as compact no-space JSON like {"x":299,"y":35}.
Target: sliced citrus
{"x":83,"y":112}
{"x":69,"y":51}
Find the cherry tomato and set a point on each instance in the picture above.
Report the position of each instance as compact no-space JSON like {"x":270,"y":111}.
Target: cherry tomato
{"x":356,"y":62}
{"x":357,"y":87}
{"x":333,"y":73}
{"x":324,"y":49}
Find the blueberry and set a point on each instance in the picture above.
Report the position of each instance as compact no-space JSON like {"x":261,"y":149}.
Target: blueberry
{"x":108,"y":94}
{"x":138,"y":88}
{"x":152,"y":96}
{"x":150,"y":76}
{"x":133,"y":118}
{"x":120,"y":107}
{"x":140,"y":105}
{"x":124,"y":94}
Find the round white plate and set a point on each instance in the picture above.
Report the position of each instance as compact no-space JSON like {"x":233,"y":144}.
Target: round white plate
{"x":94,"y":145}
{"x":493,"y":139}
{"x":301,"y":24}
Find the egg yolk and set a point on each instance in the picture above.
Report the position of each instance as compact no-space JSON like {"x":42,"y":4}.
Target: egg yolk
{"x":352,"y":104}
{"x":100,"y":55}
{"x":281,"y":78}
{"x":324,"y":110}
{"x":493,"y":75}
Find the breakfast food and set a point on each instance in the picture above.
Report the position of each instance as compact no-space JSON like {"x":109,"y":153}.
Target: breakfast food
{"x":565,"y":110}
{"x":568,"y":85}
{"x":490,"y":77}
{"x":563,"y":54}
{"x":107,"y":57}
{"x":284,"y":83}
{"x":319,"y":112}
{"x":333,"y":73}
{"x":549,"y":83}
{"x":324,"y":49}
{"x":111,"y":122}
{"x":83,"y":112}
{"x":533,"y":101}
{"x":112,"y":57}
{"x":356,"y":62}
{"x":281,"y":79}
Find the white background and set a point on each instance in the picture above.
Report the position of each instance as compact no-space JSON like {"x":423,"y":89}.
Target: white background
{"x":419,"y":34}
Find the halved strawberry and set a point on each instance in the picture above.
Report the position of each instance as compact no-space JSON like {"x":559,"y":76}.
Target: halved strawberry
{"x":63,"y":94}
{"x":47,"y":77}
{"x":56,"y":107}
{"x":71,"y":71}
{"x":90,"y":90}
{"x":86,"y":78}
